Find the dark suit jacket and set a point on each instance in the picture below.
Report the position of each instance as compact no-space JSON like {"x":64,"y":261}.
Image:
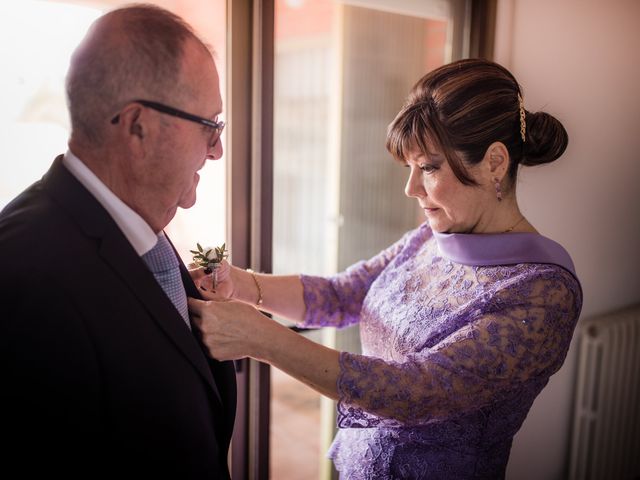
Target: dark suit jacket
{"x":100,"y":377}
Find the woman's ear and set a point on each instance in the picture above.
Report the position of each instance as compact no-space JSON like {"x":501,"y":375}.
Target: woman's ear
{"x":496,"y":161}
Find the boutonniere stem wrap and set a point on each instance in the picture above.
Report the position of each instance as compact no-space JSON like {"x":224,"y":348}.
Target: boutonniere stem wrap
{"x":210,"y":258}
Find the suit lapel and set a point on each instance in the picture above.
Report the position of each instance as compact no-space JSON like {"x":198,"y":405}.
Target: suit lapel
{"x":132,"y":271}
{"x":224,"y":373}
{"x":116,"y":251}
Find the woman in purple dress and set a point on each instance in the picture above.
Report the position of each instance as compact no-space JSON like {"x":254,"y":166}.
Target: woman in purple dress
{"x":463,"y":320}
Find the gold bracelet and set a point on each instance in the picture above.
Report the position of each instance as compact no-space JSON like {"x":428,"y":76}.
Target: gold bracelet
{"x":255,"y":279}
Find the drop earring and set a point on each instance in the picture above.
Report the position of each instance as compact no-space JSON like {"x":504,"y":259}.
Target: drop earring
{"x":498,"y":189}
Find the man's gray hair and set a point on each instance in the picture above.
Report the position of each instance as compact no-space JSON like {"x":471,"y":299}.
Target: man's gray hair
{"x":134,"y":52}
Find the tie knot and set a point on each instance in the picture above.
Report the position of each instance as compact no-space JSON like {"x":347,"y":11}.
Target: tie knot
{"x":161,"y":258}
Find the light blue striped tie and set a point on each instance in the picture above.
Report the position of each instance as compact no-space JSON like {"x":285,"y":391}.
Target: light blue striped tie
{"x":164,"y":265}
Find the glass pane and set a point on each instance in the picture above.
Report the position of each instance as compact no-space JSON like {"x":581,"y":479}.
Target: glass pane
{"x":342,"y":71}
{"x":34,"y":124}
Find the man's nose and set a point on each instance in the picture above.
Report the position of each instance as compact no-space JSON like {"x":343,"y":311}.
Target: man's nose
{"x":216,"y":151}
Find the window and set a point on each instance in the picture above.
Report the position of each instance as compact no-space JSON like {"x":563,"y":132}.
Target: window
{"x":34,"y":126}
{"x":342,"y":71}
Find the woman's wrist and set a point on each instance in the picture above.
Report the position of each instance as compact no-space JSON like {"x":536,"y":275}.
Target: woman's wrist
{"x":247,"y":287}
{"x":258,"y":286}
{"x":234,"y":274}
{"x":274,"y":340}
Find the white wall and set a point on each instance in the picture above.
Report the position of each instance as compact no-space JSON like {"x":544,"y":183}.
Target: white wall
{"x":578,"y":60}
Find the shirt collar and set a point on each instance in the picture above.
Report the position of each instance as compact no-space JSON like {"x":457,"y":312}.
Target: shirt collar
{"x":140,"y":235}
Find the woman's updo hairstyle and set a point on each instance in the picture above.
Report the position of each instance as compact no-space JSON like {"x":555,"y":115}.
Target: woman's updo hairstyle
{"x":463,"y":107}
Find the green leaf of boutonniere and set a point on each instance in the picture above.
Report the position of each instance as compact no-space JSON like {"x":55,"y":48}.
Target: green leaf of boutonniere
{"x":211,"y":257}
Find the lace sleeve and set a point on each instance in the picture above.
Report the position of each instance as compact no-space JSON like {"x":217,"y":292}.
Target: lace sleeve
{"x":523,"y":335}
{"x":336,"y":301}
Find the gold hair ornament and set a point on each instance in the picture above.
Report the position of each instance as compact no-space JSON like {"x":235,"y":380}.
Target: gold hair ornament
{"x":523,"y":121}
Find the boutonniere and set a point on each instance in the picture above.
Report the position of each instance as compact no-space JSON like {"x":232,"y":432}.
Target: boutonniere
{"x":210,"y":258}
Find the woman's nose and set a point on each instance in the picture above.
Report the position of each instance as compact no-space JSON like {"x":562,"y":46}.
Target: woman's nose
{"x":414,"y":187}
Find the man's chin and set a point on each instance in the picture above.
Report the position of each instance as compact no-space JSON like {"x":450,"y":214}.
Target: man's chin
{"x":188,"y":202}
{"x":168,"y":216}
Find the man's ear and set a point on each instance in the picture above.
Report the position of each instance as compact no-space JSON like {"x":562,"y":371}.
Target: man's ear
{"x":496,"y":160}
{"x":131,"y":119}
{"x":136,"y":129}
{"x":133,"y":129}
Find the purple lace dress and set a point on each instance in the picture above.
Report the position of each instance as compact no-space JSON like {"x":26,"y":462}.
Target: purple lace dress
{"x":459,"y":334}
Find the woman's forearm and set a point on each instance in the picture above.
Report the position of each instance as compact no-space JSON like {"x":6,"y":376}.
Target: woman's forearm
{"x":311,"y":363}
{"x":233,"y":330}
{"x":282,"y":295}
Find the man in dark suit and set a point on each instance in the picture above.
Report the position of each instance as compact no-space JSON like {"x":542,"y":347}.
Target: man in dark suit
{"x":102,"y":374}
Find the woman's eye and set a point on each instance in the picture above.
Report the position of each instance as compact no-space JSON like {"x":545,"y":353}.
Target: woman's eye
{"x":425,"y":167}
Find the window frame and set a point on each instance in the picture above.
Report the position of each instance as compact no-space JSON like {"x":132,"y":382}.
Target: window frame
{"x":250,"y":83}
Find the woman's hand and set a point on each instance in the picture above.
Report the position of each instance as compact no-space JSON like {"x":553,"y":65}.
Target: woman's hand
{"x":224,"y":287}
{"x":231,"y":330}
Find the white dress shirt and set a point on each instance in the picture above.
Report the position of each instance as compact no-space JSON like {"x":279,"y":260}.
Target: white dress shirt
{"x":138,"y":232}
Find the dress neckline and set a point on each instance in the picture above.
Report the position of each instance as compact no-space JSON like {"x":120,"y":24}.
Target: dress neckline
{"x":502,"y":249}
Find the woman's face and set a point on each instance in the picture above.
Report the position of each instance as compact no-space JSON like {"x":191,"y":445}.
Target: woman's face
{"x":449,"y":205}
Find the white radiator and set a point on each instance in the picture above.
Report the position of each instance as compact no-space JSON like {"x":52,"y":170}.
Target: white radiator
{"x":605,"y":443}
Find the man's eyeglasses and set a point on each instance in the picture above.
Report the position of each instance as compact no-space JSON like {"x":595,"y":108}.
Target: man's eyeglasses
{"x":216,"y":126}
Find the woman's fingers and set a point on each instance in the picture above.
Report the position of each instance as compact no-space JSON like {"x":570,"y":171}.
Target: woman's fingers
{"x":223,"y":271}
{"x":204,"y":280}
{"x":195,"y":306}
{"x":225,"y":326}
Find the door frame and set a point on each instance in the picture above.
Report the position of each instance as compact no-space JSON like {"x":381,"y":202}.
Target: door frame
{"x":250,"y":43}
